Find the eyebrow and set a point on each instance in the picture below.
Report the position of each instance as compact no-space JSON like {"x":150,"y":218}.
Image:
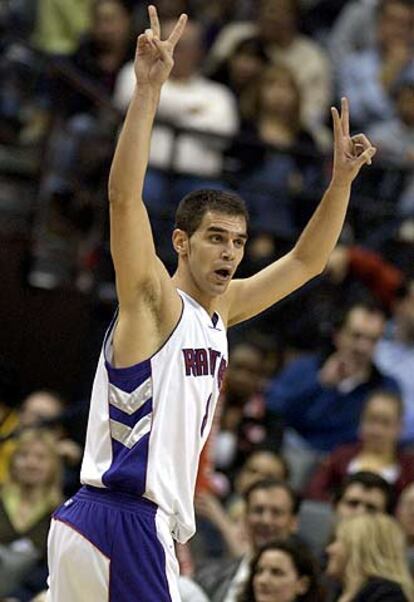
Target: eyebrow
{"x":224,"y":231}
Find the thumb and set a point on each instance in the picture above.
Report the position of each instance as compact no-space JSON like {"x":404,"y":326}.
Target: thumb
{"x":366,"y":156}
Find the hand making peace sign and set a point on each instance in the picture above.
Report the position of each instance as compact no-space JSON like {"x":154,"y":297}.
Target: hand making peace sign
{"x":350,"y":153}
{"x":154,"y":57}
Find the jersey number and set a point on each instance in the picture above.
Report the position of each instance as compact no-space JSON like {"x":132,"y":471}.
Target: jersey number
{"x":205,"y":418}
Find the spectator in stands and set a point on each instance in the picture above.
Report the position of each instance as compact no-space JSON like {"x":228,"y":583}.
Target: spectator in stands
{"x":363,"y":492}
{"x":377,"y":449}
{"x":367,"y":77}
{"x":271,"y":512}
{"x":277,"y":28}
{"x":79,"y":146}
{"x":283,"y":572}
{"x":394,"y":138}
{"x":405,"y":516}
{"x":245,"y":424}
{"x":395,"y":352}
{"x":242,"y":68}
{"x":368,"y":558}
{"x":44,"y":409}
{"x":262,"y":464}
{"x":188,"y":100}
{"x":59,"y":25}
{"x":268,"y":172}
{"x":27,"y":500}
{"x":82,"y":81}
{"x":353,"y":30}
{"x":322,"y":398}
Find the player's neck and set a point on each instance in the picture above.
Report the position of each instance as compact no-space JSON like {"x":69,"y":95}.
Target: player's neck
{"x":187,"y":285}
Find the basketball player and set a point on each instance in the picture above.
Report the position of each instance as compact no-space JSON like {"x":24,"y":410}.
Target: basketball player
{"x":164,"y":356}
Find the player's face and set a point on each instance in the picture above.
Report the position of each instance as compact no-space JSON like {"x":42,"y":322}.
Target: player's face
{"x":215,"y":250}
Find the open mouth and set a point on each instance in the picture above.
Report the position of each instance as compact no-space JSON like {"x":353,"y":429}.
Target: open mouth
{"x":223,"y":274}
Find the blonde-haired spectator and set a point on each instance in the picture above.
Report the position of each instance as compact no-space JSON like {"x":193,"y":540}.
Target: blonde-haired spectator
{"x":27,"y":499}
{"x":368,"y":557}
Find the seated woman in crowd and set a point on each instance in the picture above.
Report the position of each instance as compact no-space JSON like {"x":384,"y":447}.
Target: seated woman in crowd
{"x":267,"y":175}
{"x":283,"y":572}
{"x":242,"y":68}
{"x":27,"y":500}
{"x":377,"y":450}
{"x":368,"y":558}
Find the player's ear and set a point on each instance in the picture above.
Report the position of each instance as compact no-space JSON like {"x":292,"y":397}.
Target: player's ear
{"x":180,"y":242}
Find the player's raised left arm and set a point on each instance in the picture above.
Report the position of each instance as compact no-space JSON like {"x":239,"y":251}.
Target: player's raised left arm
{"x":309,"y":256}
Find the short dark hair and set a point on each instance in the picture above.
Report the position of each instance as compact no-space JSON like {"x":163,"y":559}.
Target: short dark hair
{"x":368,"y":304}
{"x":275,"y":484}
{"x":369,"y":480}
{"x":394,"y":397}
{"x":304,"y":563}
{"x":194,"y":206}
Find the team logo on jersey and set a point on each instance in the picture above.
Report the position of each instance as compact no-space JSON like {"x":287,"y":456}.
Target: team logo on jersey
{"x":204,"y":362}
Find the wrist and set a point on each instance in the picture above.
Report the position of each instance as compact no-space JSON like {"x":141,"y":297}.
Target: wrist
{"x":339,"y":182}
{"x":147,"y":93}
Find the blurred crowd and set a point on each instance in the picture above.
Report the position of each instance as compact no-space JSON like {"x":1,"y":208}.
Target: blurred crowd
{"x":306,"y":487}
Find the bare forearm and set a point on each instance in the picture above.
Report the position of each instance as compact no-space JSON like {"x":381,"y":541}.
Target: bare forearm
{"x":321,"y":234}
{"x":130,"y":160}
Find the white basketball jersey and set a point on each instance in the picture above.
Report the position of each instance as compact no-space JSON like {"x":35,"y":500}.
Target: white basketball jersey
{"x":148,"y":423}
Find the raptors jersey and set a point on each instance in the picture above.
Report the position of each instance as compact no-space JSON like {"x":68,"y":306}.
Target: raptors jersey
{"x":148,"y":422}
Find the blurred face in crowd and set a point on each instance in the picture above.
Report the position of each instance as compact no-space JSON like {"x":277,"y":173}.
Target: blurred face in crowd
{"x":245,"y":371}
{"x":276,"y":578}
{"x":244,"y":67}
{"x":188,"y":53}
{"x":404,"y":315}
{"x":260,"y":465}
{"x":357,"y":338}
{"x":269,"y":515}
{"x":358,"y":499}
{"x":279,"y":94}
{"x":33,"y":464}
{"x":337,"y":559}
{"x":405,"y":513}
{"x":395,"y":22}
{"x":39,"y":407}
{"x":380,"y":424}
{"x":405,"y":108}
{"x":277,"y":21}
{"x":111,"y":24}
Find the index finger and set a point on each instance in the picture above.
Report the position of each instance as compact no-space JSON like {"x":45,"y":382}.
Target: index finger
{"x":336,"y":124}
{"x":154,"y":20}
{"x":178,"y":30}
{"x":345,"y":116}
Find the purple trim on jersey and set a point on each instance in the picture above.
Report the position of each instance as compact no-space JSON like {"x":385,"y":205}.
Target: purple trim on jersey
{"x":128,"y":379}
{"x":130,"y":419}
{"x":123,"y":528}
{"x":128,"y":471}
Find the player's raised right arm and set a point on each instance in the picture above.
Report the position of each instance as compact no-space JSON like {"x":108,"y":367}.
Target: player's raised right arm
{"x":132,"y":244}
